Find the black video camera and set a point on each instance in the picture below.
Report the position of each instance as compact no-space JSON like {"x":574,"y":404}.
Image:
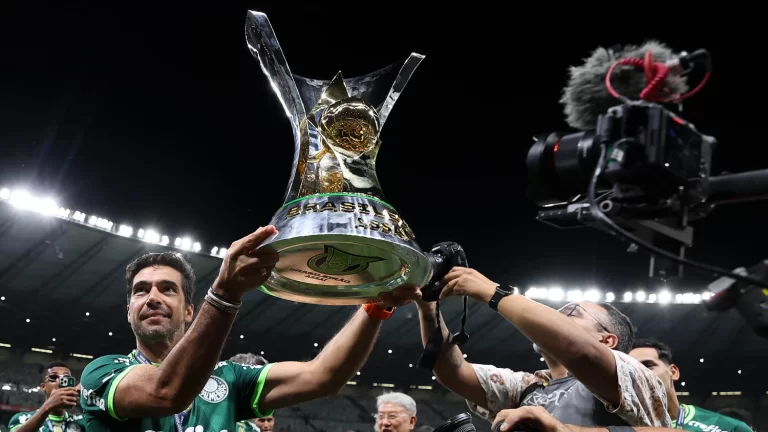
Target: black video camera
{"x":652,"y":156}
{"x":646,"y":169}
{"x":442,"y":257}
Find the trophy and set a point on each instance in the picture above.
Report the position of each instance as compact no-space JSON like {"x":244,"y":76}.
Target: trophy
{"x":339,"y":241}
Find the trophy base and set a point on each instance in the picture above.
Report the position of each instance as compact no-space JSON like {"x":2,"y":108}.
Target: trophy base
{"x":342,"y":249}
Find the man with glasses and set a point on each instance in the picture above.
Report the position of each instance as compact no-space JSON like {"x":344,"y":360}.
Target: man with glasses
{"x":591,"y":381}
{"x":395,"y":412}
{"x":53,"y":415}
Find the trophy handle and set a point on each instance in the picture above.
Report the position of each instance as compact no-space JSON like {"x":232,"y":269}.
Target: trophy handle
{"x":263,"y":44}
{"x":406,"y":71}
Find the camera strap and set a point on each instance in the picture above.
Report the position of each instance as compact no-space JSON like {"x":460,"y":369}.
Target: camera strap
{"x":435,"y":342}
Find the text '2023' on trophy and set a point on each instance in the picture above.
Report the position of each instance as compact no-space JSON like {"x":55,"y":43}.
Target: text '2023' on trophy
{"x":339,"y":242}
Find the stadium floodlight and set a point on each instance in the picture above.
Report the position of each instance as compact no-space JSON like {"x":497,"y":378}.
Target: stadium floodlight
{"x":24,"y":200}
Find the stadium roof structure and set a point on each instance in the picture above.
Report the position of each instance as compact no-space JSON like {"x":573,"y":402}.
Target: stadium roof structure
{"x":62,"y":289}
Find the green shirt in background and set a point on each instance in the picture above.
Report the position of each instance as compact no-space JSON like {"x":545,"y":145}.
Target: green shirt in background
{"x":67,"y":423}
{"x":697,"y":419}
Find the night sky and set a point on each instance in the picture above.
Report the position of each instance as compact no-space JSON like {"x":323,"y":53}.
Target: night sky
{"x":163,"y":118}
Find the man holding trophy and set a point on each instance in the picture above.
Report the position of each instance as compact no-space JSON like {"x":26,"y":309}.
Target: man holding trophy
{"x":334,"y":241}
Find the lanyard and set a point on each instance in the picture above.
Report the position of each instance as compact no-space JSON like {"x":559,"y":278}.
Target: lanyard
{"x":680,"y":417}
{"x":49,"y":425}
{"x":177,"y":418}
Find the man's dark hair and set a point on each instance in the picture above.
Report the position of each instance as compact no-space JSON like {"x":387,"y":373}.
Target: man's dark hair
{"x":738,"y":414}
{"x":663,"y":350}
{"x":173,"y":260}
{"x":249,"y":359}
{"x":51,"y":365}
{"x":620,"y":325}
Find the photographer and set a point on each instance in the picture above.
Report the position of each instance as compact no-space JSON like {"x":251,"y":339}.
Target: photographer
{"x":53,"y":415}
{"x":591,"y":381}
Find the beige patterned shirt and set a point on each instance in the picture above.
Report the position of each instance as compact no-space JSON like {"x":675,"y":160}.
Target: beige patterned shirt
{"x":643,"y":397}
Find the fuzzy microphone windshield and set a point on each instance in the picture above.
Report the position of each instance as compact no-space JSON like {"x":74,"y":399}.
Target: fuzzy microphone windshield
{"x":586,"y":97}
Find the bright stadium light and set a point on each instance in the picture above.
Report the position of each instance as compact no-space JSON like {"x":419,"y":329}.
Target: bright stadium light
{"x":25,"y":200}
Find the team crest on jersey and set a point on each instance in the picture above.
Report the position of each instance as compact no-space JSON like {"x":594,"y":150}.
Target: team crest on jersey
{"x":74,"y":427}
{"x":215,"y":390}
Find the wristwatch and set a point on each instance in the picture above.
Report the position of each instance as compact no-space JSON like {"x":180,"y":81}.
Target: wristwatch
{"x":501,"y":292}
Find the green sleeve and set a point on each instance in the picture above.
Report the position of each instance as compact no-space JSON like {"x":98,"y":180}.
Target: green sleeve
{"x":99,"y":382}
{"x":249,"y":382}
{"x":80,"y":420}
{"x":18,"y":420}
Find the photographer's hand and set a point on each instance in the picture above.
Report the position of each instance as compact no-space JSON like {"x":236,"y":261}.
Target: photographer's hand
{"x":462,"y":281}
{"x":400,"y":296}
{"x":530,"y":418}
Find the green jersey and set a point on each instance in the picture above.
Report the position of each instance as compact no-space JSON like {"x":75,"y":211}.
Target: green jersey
{"x":231,"y":394}
{"x":247,"y":426}
{"x":66,"y":423}
{"x":696,"y":419}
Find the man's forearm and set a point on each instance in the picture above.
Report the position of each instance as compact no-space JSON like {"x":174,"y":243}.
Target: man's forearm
{"x":451,"y":369}
{"x":187,"y":368}
{"x":35,"y":422}
{"x":552,"y":331}
{"x":346,"y":353}
{"x":450,"y":358}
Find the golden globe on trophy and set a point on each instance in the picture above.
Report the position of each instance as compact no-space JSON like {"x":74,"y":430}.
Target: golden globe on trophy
{"x":339,"y":241}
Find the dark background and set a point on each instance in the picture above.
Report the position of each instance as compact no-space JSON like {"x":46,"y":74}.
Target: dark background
{"x":161,"y":117}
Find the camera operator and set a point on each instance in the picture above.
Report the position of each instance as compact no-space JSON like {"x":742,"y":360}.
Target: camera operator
{"x":588,"y":362}
{"x":538,"y":419}
{"x":52,"y":415}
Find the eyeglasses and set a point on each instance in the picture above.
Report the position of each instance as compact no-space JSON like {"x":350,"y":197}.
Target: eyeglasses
{"x":55,"y":377}
{"x":570,"y":309}
{"x":391,"y":416}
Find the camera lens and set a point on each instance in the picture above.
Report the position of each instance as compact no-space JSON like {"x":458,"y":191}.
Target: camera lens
{"x":459,"y":423}
{"x":560,"y":167}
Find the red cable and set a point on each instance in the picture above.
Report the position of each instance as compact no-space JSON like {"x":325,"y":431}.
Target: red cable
{"x":655,"y":75}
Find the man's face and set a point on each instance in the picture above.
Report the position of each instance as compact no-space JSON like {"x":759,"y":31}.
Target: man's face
{"x":592,"y":318}
{"x":51,"y":379}
{"x":394,"y":418}
{"x":156,"y":310}
{"x":649,"y":357}
{"x":266,"y":424}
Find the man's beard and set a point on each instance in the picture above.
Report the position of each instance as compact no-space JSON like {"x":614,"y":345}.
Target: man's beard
{"x":154,"y":335}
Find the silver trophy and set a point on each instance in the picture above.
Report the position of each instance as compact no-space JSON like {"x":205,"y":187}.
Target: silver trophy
{"x":339,"y":241}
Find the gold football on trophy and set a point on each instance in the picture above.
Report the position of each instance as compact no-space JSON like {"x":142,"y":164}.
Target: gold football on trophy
{"x":351,"y":124}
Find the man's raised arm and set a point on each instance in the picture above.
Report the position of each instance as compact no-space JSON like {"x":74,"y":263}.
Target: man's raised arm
{"x":155,"y":391}
{"x":451,"y":369}
{"x":590,"y":361}
{"x":289,"y":383}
